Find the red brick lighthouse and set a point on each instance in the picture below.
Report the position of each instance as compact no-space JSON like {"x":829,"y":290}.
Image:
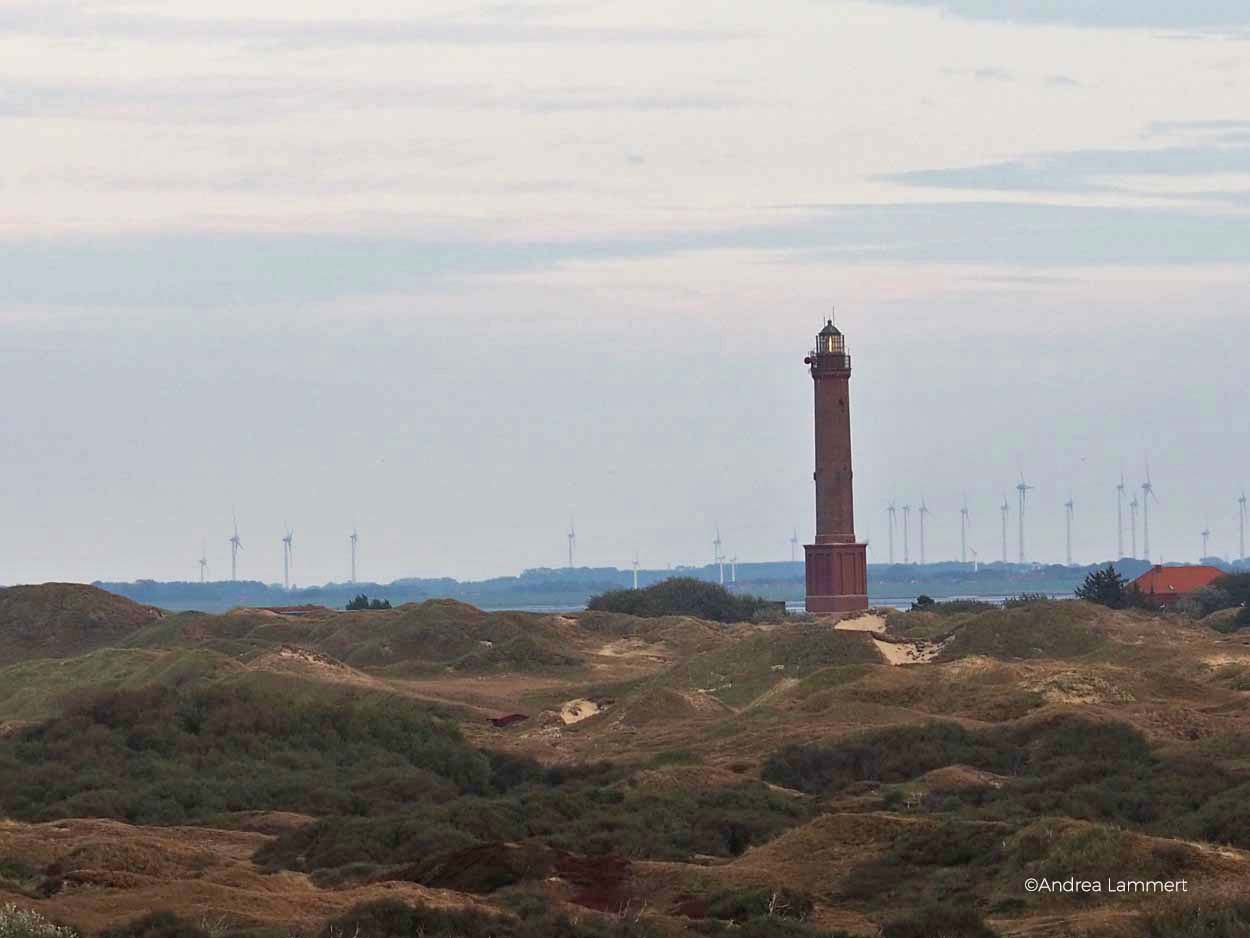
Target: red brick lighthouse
{"x":837,"y":564}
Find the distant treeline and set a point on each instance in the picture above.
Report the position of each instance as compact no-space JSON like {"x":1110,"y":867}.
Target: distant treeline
{"x":549,"y":587}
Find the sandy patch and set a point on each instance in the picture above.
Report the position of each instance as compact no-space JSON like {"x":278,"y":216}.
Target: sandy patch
{"x":906,"y":652}
{"x":1076,"y":687}
{"x":865,"y":623}
{"x":574,"y":711}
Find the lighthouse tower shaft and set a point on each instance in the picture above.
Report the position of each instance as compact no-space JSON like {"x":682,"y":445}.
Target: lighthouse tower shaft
{"x":837,"y":565}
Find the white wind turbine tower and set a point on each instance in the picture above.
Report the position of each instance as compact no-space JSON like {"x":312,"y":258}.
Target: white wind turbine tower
{"x":236,"y":545}
{"x":572,"y":536}
{"x":1132,"y":513}
{"x":1241,"y":503}
{"x":203,"y":561}
{"x":892,"y":510}
{"x":1069,"y":510}
{"x":1206,"y":541}
{"x":733,"y":570}
{"x":718,"y":556}
{"x":1119,"y":516}
{"x":355,"y":539}
{"x":794,"y":546}
{"x":1147,"y":493}
{"x":964,"y":521}
{"x":635,"y":569}
{"x":1023,"y":488}
{"x":976,"y":560}
{"x":1006,"y":510}
{"x":288,"y":544}
{"x":924,"y":513}
{"x":907,"y":534}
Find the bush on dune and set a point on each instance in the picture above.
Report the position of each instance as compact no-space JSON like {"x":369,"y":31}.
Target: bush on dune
{"x":682,"y":596}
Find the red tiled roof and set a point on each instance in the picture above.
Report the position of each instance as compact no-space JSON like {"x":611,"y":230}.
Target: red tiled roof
{"x":1177,"y":580}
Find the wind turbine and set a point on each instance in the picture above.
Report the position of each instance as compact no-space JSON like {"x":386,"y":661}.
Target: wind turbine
{"x":203,"y":561}
{"x":635,"y":569}
{"x":1006,"y":510}
{"x":976,"y":560}
{"x":236,"y":545}
{"x":1023,"y":488}
{"x":1119,"y":516}
{"x":1069,"y":509}
{"x":924,"y":513}
{"x":1206,"y":540}
{"x":354,"y":538}
{"x":964,"y":522}
{"x":1132,"y":511}
{"x":794,"y":546}
{"x":572,"y":536}
{"x":892,"y":510}
{"x":733,"y":570}
{"x":288,"y":544}
{"x":1147,"y":493}
{"x":717,"y":556}
{"x":1241,"y":502}
{"x":907,"y":534}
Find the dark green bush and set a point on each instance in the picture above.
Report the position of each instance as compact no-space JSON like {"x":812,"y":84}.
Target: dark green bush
{"x":743,"y":905}
{"x":939,"y":921}
{"x":164,"y":756}
{"x":156,"y":925}
{"x":390,"y":918}
{"x":1199,"y":919}
{"x":682,"y":596}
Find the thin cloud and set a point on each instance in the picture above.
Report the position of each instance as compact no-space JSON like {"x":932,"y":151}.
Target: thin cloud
{"x":1083,"y":171}
{"x":72,"y":20}
{"x":233,"y":101}
{"x":208,"y":270}
{"x":1130,"y":14}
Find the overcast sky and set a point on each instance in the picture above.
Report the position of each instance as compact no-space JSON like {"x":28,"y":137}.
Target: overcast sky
{"x":453,"y":272}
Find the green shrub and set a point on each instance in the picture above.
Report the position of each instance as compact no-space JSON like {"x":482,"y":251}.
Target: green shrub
{"x":682,"y":596}
{"x":1026,"y":599}
{"x":157,"y":925}
{"x":939,"y":921}
{"x":1199,"y":919}
{"x":390,"y":918}
{"x":1105,"y":587}
{"x":742,"y":905}
{"x":26,"y":923}
{"x":1237,"y":585}
{"x":165,"y":756}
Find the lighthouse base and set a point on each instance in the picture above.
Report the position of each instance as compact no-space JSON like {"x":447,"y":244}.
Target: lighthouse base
{"x":837,"y":577}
